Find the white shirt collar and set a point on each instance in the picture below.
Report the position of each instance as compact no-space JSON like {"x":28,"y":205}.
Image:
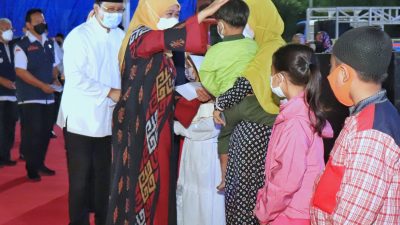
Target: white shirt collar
{"x":32,"y":38}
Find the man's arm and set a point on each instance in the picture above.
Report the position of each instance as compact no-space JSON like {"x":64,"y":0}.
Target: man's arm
{"x":27,"y":77}
{"x":75,"y":69}
{"x":21,"y":65}
{"x":7,"y":83}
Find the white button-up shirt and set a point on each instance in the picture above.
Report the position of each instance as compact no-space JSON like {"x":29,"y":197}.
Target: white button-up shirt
{"x":91,"y":69}
{"x":21,"y":61}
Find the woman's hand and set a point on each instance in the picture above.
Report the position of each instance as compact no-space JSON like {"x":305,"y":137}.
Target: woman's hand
{"x":203,"y":95}
{"x":210,"y":10}
{"x":217,"y":118}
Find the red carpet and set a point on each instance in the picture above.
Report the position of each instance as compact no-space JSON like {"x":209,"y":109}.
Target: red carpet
{"x":42,"y":203}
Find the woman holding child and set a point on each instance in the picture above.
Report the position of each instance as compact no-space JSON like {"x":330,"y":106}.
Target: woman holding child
{"x":250,"y":111}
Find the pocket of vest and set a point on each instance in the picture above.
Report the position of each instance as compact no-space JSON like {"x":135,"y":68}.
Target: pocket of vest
{"x":327,"y":187}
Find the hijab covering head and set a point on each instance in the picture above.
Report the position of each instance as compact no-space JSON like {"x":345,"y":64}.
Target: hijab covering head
{"x":326,"y":41}
{"x":268,"y":27}
{"x":148,"y":13}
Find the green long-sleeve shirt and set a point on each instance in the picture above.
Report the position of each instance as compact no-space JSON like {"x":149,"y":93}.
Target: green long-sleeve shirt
{"x":225,"y":62}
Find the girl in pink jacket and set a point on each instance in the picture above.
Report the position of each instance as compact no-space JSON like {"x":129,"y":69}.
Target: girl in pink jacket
{"x":295,"y":155}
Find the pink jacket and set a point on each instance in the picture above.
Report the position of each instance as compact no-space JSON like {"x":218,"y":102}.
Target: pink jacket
{"x":295,"y":158}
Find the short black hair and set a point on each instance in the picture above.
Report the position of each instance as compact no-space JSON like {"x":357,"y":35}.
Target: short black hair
{"x":234,"y":13}
{"x":60,"y":35}
{"x":367,"y":77}
{"x":28,"y":17}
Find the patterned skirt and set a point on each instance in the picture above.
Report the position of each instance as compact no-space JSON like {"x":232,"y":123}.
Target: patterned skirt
{"x":245,"y":172}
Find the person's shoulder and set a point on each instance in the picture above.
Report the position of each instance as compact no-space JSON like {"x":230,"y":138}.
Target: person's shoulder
{"x":78,"y":34}
{"x":249,"y":43}
{"x":23,"y":42}
{"x":384,"y":118}
{"x":14,"y":41}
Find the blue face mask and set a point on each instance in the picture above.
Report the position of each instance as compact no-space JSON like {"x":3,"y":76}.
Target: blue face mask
{"x":111,"y":20}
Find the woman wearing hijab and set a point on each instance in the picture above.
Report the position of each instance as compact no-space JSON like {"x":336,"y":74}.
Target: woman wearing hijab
{"x":323,"y":42}
{"x":142,"y":191}
{"x":251,"y":96}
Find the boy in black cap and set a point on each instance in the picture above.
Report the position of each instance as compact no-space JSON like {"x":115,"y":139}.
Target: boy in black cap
{"x":361,"y":182}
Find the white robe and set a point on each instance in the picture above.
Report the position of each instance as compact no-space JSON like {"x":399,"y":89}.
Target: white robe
{"x":198,"y":200}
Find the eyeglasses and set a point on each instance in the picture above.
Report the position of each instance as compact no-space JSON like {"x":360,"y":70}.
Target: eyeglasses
{"x":113,"y":10}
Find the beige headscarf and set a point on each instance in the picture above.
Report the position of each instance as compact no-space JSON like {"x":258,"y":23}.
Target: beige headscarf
{"x":268,"y":27}
{"x":148,"y":13}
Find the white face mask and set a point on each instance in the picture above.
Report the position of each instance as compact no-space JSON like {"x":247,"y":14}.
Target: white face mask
{"x":220,"y":30}
{"x":7,"y":35}
{"x":165,"y":23}
{"x":248,"y":32}
{"x":111,"y":20}
{"x":277,"y":90}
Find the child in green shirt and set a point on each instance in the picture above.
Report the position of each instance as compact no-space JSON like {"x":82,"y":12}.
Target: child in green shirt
{"x":226,"y":61}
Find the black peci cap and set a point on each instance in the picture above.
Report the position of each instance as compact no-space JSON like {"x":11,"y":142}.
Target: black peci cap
{"x":366,"y":49}
{"x":112,"y":1}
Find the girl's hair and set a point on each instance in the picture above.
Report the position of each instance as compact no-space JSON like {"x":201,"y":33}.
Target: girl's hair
{"x":299,"y":62}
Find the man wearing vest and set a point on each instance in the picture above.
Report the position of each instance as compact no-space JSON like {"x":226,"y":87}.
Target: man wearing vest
{"x":8,"y":105}
{"x":35,"y":66}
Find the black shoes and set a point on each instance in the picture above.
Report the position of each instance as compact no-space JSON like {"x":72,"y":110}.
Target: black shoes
{"x":34,"y":177}
{"x":8,"y":163}
{"x":44,"y":171}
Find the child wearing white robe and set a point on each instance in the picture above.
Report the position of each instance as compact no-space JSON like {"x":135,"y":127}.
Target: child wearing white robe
{"x":198,"y":200}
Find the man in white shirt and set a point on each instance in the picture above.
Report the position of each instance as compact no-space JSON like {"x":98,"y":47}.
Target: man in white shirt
{"x":35,"y":66}
{"x":8,"y":100}
{"x":91,"y":90}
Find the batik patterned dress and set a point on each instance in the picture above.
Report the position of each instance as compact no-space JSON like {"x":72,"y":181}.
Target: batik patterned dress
{"x":246,"y":165}
{"x":142,"y":191}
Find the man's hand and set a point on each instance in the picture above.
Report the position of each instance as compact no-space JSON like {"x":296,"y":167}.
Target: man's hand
{"x":203,"y":95}
{"x":114,"y":94}
{"x":57,"y":82}
{"x":7,"y":83}
{"x":217,"y":118}
{"x":46,"y":88}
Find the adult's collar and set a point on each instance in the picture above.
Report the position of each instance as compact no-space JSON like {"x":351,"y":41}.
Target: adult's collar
{"x":32,"y":37}
{"x":97,"y":26}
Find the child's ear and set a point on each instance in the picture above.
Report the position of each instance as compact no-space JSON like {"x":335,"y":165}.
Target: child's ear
{"x":347,"y":73}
